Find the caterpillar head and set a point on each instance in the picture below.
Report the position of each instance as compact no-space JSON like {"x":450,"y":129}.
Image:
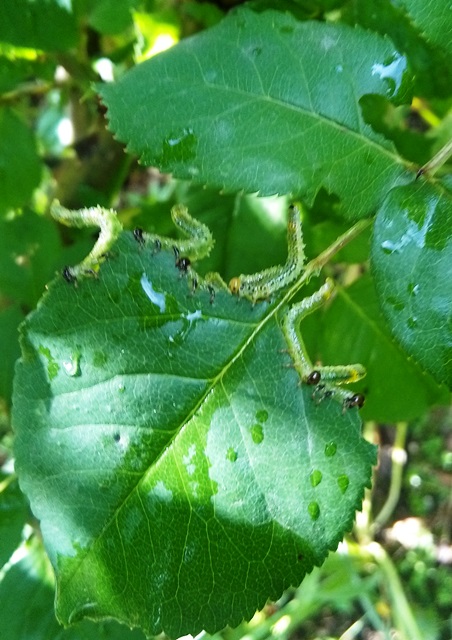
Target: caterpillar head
{"x":234,"y":286}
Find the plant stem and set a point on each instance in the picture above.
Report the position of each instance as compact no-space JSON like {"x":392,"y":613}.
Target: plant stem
{"x":401,"y":610}
{"x":323,"y":258}
{"x":437,"y":161}
{"x":398,"y":458}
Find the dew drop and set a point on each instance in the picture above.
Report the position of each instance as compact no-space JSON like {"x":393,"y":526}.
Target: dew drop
{"x":154,"y":296}
{"x":71,"y":366}
{"x":231,"y":455}
{"x":257,"y":433}
{"x":412,"y":322}
{"x":315,"y":477}
{"x":314,"y":510}
{"x":343,"y":482}
{"x":390,"y":247}
{"x":330,"y":449}
{"x":413,"y":289}
{"x":262,"y":415}
{"x":396,"y":304}
{"x":121,"y":388}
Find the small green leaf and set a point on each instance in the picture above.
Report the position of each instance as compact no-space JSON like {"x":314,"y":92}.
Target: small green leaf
{"x":264,"y":103}
{"x":174,"y":478}
{"x":38,"y":24}
{"x":412,"y":262}
{"x":20,"y":168}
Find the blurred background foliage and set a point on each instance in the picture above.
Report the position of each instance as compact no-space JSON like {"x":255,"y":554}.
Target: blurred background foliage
{"x":392,"y":577}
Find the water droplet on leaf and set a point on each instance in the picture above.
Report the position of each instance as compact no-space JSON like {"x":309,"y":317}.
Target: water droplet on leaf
{"x":314,"y":510}
{"x":330,"y":449}
{"x":343,"y":482}
{"x":231,"y":455}
{"x":155,"y":297}
{"x":257,"y":433}
{"x":262,"y":415}
{"x":316,"y":477}
{"x":71,"y":366}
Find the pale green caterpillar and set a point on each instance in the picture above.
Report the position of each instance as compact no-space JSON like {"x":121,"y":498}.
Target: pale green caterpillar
{"x":197,"y":245}
{"x":109,"y":226}
{"x":262,"y":285}
{"x":319,"y":377}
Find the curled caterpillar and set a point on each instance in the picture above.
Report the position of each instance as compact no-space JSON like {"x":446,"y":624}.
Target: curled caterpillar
{"x":109,"y":226}
{"x":262,"y":285}
{"x":197,"y":245}
{"x":324,"y":380}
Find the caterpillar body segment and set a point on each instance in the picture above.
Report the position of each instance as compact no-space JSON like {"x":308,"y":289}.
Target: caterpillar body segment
{"x":197,"y":245}
{"x":262,"y":285}
{"x":323,"y":379}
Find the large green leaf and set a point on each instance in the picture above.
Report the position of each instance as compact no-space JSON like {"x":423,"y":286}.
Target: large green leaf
{"x":264,"y":103}
{"x":412,"y":262}
{"x":20,"y":168}
{"x":184,"y":476}
{"x":40,"y":24}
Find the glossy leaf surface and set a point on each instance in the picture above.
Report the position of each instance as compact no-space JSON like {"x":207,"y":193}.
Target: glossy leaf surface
{"x":267,"y":104}
{"x":412,"y":262}
{"x":184,"y":475}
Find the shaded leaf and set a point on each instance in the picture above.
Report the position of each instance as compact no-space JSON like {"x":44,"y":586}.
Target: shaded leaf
{"x":10,"y":318}
{"x":20,"y":168}
{"x":13,"y":514}
{"x":264,"y":103}
{"x":195,"y":477}
{"x":412,"y":262}
{"x":27,"y":595}
{"x":355,"y":331}
{"x":29,"y":253}
{"x":38,"y":24}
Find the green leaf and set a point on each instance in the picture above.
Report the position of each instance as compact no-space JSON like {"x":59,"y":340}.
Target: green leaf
{"x":433,"y":18}
{"x":430,"y":64}
{"x":15,"y":71}
{"x":10,"y":318}
{"x":29,"y":254}
{"x":184,"y":476}
{"x":110,"y":16}
{"x":354,"y":330}
{"x":38,"y":24}
{"x":412,"y":262}
{"x":13,"y":514}
{"x":264,"y":103}
{"x":20,"y":168}
{"x":27,"y":595}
